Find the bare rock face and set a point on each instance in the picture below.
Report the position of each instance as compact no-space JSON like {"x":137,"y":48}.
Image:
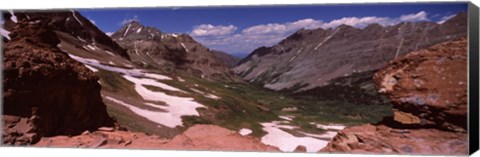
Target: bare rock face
{"x":428,"y":89}
{"x":197,"y":137}
{"x":313,"y":58}
{"x":210,"y":137}
{"x":45,"y":93}
{"x":386,"y":140}
{"x":430,"y":84}
{"x":69,"y":22}
{"x":149,"y":47}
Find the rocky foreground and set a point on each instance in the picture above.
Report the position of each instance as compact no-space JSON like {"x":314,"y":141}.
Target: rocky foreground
{"x":45,"y":92}
{"x":197,"y":137}
{"x":428,"y":89}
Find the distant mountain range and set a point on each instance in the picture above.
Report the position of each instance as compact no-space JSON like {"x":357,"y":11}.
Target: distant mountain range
{"x":312,"y":58}
{"x":226,"y":58}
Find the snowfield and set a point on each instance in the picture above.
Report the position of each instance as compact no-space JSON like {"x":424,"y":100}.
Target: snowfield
{"x":176,"y":107}
{"x":151,"y":82}
{"x":286,"y":142}
{"x":130,"y":72}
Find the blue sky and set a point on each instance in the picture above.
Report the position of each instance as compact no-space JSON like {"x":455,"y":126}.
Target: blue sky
{"x":239,"y":30}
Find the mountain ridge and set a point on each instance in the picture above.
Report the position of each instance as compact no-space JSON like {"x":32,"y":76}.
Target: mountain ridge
{"x":332,"y":53}
{"x":148,"y":46}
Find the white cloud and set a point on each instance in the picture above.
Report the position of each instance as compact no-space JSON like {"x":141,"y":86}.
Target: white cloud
{"x":127,"y":20}
{"x":384,"y":21}
{"x":420,"y":16}
{"x":359,"y":22}
{"x":445,"y":18}
{"x":211,"y":30}
{"x":269,"y":34}
{"x":283,"y":28}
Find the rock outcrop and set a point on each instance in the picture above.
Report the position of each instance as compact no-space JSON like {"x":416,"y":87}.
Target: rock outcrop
{"x":71,"y":23}
{"x":430,"y":85}
{"x":382,"y":139}
{"x":149,"y":47}
{"x":45,"y":93}
{"x":197,"y":137}
{"x":313,"y":58}
{"x":428,"y":89}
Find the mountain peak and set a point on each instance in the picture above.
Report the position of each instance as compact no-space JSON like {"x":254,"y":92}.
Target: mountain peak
{"x":134,"y":23}
{"x":134,"y":30}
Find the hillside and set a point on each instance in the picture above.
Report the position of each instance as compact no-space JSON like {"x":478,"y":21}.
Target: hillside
{"x":313,"y":58}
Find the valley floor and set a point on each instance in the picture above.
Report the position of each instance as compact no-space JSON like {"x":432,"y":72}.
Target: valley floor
{"x":145,"y":101}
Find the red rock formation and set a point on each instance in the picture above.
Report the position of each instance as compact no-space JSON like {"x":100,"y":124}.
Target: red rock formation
{"x":197,"y":137}
{"x":387,"y":140}
{"x":46,"y":93}
{"x":428,"y":89}
{"x":430,"y":84}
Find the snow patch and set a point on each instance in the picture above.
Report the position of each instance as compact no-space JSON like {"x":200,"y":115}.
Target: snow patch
{"x":329,"y":127}
{"x":289,"y":118}
{"x":76,"y":18}
{"x":184,"y":47}
{"x":154,"y":116}
{"x":130,"y":72}
{"x":13,"y":17}
{"x":81,"y":39}
{"x":180,"y":79}
{"x":245,"y":131}
{"x":291,"y":59}
{"x":151,"y":82}
{"x":176,"y":107}
{"x":126,"y":31}
{"x":91,"y":47}
{"x":330,"y":36}
{"x":110,"y":53}
{"x":287,"y":142}
{"x":157,"y":76}
{"x":139,"y":30}
{"x":211,"y":96}
{"x":91,"y":68}
{"x":5,"y":33}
